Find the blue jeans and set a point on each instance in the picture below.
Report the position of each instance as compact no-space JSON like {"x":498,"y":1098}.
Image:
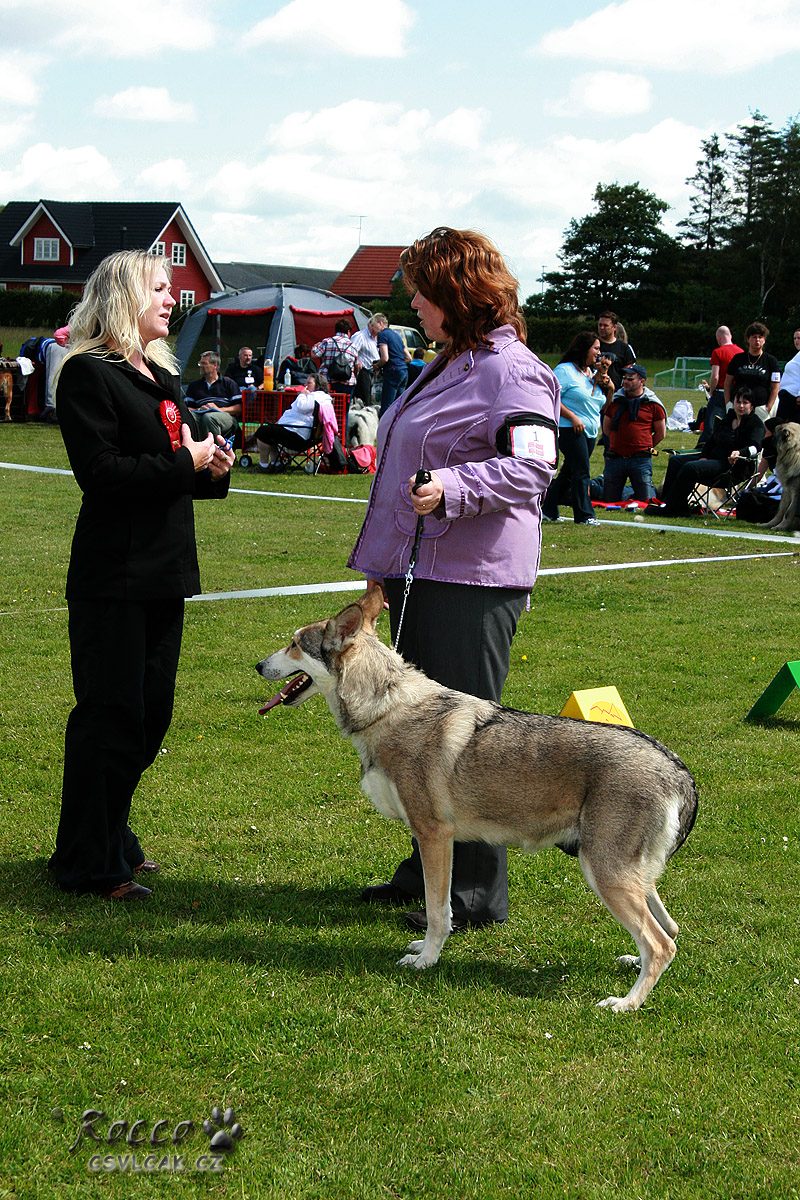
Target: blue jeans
{"x":638,"y":468}
{"x":573,"y":479}
{"x":394,"y":382}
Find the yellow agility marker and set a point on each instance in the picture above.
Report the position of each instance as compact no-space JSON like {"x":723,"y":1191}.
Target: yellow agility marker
{"x":597,"y":704}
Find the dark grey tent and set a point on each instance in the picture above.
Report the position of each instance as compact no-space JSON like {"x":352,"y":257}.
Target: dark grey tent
{"x":271,"y":320}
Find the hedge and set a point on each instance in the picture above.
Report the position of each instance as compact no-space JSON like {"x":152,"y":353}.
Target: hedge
{"x":651,"y":339}
{"x":35,"y":310}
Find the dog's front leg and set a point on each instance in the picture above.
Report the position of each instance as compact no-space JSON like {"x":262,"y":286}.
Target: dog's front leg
{"x":436,"y":852}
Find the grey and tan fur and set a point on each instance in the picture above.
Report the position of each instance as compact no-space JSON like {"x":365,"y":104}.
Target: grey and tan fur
{"x":454,"y":767}
{"x":787,"y":468}
{"x":362,"y":423}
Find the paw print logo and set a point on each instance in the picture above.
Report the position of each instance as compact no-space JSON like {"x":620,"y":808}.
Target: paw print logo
{"x":223,"y":1129}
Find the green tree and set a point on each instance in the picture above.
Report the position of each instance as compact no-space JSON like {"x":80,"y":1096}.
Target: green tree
{"x":606,"y":254}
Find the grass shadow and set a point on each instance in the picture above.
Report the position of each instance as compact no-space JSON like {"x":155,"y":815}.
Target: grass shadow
{"x":191,"y":919}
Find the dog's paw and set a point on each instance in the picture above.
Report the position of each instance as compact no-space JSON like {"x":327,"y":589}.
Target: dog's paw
{"x":416,"y":960}
{"x":629,"y":960}
{"x":618,"y":1004}
{"x":416,"y":947}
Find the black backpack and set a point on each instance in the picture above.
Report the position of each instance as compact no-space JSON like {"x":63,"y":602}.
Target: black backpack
{"x":339,"y":370}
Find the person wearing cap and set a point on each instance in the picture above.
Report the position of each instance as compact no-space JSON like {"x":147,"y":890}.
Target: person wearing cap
{"x":634,"y":422}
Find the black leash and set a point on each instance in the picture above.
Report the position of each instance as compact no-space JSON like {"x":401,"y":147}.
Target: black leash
{"x":420,"y":478}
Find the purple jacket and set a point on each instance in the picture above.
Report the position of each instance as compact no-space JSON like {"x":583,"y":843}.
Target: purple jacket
{"x":490,"y":531}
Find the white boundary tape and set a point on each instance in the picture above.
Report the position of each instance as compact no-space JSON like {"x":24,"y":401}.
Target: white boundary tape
{"x":357,"y":585}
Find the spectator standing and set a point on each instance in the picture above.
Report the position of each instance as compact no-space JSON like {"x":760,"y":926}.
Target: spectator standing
{"x":394,"y":358}
{"x":720,"y":358}
{"x":634,"y":421}
{"x":243,"y":370}
{"x":756,"y":368}
{"x":578,"y":427}
{"x":613,"y":348}
{"x":336,"y":358}
{"x":215,"y":400}
{"x":366,"y":343}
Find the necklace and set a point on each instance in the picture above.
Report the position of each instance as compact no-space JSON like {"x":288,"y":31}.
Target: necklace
{"x":752,"y":361}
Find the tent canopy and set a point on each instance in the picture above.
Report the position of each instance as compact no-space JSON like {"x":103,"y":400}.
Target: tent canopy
{"x":271,"y":320}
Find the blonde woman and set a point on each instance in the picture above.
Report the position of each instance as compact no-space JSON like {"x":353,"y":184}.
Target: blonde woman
{"x":133,"y":448}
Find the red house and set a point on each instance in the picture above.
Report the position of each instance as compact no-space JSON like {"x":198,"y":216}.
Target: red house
{"x":54,"y":245}
{"x":369,"y":274}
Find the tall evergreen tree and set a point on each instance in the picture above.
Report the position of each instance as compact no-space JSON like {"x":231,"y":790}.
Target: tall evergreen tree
{"x":606,"y":254}
{"x":706,"y":227}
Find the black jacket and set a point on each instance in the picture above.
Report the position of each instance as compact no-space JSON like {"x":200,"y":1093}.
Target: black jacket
{"x":134,"y":536}
{"x":724,"y":438}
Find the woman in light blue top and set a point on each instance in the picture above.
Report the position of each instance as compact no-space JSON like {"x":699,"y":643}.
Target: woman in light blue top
{"x":582,"y":398}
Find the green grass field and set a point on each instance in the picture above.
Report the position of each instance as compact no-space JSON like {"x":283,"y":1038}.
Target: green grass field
{"x":255,"y":980}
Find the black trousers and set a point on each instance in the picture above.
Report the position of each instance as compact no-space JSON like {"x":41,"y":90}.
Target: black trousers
{"x":460,"y":636}
{"x":124,"y":662}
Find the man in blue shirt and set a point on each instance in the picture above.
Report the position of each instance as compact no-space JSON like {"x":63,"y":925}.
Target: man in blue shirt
{"x":394,"y":357}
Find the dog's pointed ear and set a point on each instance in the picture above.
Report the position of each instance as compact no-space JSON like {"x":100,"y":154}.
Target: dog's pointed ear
{"x":371,"y":604}
{"x":341,"y":630}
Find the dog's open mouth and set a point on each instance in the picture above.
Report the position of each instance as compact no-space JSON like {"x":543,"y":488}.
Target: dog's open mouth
{"x":296,"y":685}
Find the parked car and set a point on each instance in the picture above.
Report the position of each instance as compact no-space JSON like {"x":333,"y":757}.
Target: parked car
{"x":414,"y":340}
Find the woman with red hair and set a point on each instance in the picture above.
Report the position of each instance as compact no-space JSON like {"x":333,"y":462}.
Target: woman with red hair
{"x":481,"y":419}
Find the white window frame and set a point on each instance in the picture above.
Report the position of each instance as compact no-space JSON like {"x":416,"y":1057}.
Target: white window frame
{"x":179,"y":254}
{"x":46,"y":249}
{"x":159,"y":248}
{"x":187,"y":299}
{"x":45,"y":287}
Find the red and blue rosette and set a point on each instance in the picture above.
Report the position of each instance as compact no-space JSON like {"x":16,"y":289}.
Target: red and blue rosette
{"x":171,"y":417}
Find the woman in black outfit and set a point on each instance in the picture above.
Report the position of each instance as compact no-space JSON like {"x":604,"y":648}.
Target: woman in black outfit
{"x":734,"y":444}
{"x":132,"y":446}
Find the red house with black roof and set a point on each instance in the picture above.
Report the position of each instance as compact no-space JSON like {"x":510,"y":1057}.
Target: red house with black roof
{"x":54,"y":245}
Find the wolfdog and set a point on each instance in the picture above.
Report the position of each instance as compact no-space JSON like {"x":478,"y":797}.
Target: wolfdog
{"x":454,"y":767}
{"x":787,"y":468}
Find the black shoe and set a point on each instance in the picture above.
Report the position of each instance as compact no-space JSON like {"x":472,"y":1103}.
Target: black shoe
{"x":148,"y":867}
{"x":386,"y":893}
{"x":419,"y":922}
{"x":655,"y":510}
{"x":128,"y":891}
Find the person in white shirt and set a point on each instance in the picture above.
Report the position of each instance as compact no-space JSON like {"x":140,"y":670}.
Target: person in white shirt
{"x":366,"y":343}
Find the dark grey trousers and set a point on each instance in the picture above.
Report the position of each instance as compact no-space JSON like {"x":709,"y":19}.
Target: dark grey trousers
{"x":460,"y":636}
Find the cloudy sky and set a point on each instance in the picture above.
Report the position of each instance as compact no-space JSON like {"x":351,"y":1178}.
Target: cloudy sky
{"x":288,"y":130}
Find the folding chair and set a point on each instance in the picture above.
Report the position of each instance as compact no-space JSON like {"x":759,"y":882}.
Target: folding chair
{"x":719,"y":498}
{"x":310,"y":456}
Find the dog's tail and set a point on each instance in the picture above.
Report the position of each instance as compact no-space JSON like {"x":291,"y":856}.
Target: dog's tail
{"x":687,"y":810}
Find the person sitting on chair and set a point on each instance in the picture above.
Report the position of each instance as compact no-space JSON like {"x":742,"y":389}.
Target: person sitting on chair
{"x":294,"y":429}
{"x":214,"y":399}
{"x":734,"y":445}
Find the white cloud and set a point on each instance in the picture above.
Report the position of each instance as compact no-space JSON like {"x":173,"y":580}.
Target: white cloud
{"x":16,"y":130}
{"x":719,"y":37}
{"x":166,"y":179}
{"x":61,"y":173}
{"x":144,"y":104}
{"x":605,"y":93}
{"x":366,"y":29}
{"x":19,"y":78}
{"x":99,"y":28}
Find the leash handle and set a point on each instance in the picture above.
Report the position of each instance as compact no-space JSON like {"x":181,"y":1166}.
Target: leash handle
{"x":422,"y":476}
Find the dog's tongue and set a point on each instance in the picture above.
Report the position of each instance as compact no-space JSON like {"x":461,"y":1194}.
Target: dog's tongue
{"x":299,"y":681}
